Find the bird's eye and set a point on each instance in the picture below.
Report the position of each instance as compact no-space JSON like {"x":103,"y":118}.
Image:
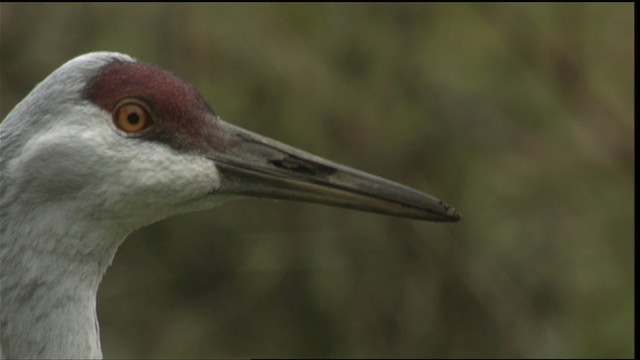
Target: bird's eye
{"x":131,"y":117}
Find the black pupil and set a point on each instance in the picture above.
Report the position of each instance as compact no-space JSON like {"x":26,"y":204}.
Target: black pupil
{"x":133,"y":118}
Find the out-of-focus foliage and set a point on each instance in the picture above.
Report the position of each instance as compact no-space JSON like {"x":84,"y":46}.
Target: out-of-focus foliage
{"x":520,"y":115}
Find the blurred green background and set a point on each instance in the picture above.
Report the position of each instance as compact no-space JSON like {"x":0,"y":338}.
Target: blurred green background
{"x":519,"y":115}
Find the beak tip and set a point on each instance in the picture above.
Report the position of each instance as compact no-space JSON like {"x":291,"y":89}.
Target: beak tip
{"x":451,"y":214}
{"x":455,"y":216}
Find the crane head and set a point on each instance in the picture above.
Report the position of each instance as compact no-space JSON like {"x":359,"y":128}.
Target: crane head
{"x":137,"y":144}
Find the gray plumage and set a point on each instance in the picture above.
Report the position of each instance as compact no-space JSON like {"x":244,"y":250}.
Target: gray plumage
{"x":73,"y":185}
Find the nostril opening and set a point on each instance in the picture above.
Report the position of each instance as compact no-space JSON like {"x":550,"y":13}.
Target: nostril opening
{"x":301,"y":166}
{"x":292,"y":166}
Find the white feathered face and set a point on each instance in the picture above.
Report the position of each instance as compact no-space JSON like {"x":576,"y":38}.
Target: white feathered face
{"x":118,"y":175}
{"x":142,"y":144}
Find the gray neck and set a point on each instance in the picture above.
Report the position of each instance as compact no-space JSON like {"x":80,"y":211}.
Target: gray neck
{"x":47,"y":288}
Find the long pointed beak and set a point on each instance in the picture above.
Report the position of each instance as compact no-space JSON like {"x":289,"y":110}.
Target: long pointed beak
{"x":254,"y":165}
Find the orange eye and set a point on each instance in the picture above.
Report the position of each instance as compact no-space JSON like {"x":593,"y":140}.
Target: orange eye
{"x":131,"y":117}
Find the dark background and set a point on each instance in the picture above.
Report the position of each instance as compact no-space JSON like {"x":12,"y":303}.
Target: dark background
{"x":521,"y":116}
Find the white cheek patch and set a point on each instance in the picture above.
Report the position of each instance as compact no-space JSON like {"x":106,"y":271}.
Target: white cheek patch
{"x":165,"y":175}
{"x":153,"y":182}
{"x":143,"y":173}
{"x":114,"y":174}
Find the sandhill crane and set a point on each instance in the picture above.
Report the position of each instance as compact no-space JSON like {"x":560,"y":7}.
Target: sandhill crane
{"x":107,"y":144}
